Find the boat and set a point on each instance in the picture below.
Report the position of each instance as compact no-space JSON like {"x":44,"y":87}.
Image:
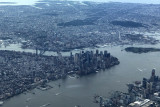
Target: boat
{"x":57,"y":94}
{"x":28,"y":99}
{"x":72,"y":76}
{"x":77,"y":106}
{"x":45,"y":105}
{"x":1,"y":103}
{"x":140,"y":70}
{"x":137,"y":82}
{"x":97,"y":71}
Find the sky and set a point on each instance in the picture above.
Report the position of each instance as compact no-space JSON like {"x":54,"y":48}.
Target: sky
{"x":31,"y":2}
{"x":21,"y":2}
{"x":134,"y":1}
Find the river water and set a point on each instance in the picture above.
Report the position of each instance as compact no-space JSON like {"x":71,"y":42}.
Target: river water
{"x":80,"y":91}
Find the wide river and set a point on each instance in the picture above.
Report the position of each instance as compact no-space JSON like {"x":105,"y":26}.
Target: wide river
{"x":80,"y":91}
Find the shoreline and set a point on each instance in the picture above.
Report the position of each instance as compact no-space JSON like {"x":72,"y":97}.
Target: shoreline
{"x":30,"y":77}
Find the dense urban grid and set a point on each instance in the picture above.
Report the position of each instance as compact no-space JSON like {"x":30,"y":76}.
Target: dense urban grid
{"x":66,"y":25}
{"x":140,"y":94}
{"x":22,"y":71}
{"x":58,"y":26}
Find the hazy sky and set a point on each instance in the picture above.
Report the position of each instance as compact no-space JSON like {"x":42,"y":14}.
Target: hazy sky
{"x":21,"y":2}
{"x":29,"y":2}
{"x":131,"y":1}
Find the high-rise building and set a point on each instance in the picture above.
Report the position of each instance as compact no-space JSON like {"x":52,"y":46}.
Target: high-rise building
{"x":153,"y":77}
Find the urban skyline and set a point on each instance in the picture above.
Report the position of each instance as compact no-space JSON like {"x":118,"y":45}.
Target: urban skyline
{"x":70,"y":52}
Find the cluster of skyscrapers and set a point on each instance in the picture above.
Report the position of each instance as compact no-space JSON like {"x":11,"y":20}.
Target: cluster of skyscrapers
{"x":90,"y":62}
{"x":140,"y":94}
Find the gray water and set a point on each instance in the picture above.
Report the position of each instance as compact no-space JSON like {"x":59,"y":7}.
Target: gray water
{"x":81,"y":91}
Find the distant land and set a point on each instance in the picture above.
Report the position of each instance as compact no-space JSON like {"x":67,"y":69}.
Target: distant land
{"x":32,"y":2}
{"x":52,"y":25}
{"x":127,"y":24}
{"x":7,"y":2}
{"x":141,"y":50}
{"x":87,"y":21}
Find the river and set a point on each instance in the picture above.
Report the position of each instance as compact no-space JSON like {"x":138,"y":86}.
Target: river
{"x":80,"y":91}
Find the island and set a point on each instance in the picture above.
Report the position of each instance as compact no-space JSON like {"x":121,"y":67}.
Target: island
{"x":21,"y":71}
{"x":141,"y":50}
{"x":127,"y":24}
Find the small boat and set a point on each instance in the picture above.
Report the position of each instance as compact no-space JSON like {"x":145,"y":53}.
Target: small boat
{"x":137,"y":82}
{"x":57,"y":94}
{"x":77,"y":106}
{"x":140,"y":70}
{"x":28,"y":99}
{"x":1,"y":103}
{"x":45,"y":105}
{"x":71,"y":76}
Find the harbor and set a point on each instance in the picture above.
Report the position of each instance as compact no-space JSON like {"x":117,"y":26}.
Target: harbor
{"x":79,"y":54}
{"x":80,"y":91}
